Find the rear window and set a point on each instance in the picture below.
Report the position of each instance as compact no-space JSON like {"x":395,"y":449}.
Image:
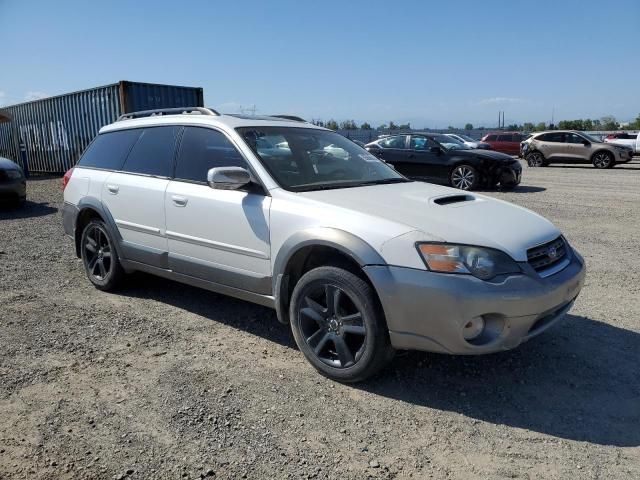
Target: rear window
{"x":153,"y":152}
{"x":109,"y":150}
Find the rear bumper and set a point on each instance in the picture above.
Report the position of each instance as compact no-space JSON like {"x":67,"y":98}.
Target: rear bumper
{"x":69,"y":218}
{"x":427,"y":311}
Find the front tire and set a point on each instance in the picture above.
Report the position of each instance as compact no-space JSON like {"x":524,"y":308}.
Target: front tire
{"x":603,"y":160}
{"x":338,"y":325}
{"x":464,"y":177}
{"x":99,"y":256}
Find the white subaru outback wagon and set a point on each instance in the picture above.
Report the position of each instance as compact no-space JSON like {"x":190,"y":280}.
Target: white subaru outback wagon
{"x":357,"y":259}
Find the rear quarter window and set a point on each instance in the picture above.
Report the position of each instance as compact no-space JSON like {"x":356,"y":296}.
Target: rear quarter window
{"x":490,"y":138}
{"x":108,"y":150}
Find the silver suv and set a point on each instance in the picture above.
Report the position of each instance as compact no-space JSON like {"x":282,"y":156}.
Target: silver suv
{"x":568,"y":146}
{"x":355,"y":258}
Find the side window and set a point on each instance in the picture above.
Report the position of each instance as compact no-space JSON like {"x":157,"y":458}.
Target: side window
{"x":153,"y":152}
{"x":555,"y":137}
{"x":419,"y":143}
{"x":108,"y":150}
{"x":204,"y":148}
{"x":505,"y":138}
{"x":491,"y":138}
{"x":397,"y":141}
{"x":573,"y":138}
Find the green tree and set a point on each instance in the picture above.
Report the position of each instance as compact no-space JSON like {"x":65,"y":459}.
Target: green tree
{"x":348,"y":125}
{"x":365,"y":126}
{"x":332,"y":125}
{"x":393,"y":126}
{"x":609,"y":123}
{"x":541,"y":126}
{"x":528,"y":127}
{"x":404,"y":126}
{"x":468,"y":126}
{"x":383,"y":127}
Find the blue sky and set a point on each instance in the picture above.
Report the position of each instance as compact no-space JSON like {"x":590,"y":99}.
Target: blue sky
{"x":431,"y":63}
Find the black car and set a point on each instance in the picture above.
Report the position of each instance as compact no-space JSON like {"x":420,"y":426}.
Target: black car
{"x":13,"y":186}
{"x":438,"y":158}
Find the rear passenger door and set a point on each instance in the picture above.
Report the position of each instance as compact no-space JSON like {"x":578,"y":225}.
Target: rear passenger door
{"x":135,"y":195}
{"x":221,"y":236}
{"x":554,"y":147}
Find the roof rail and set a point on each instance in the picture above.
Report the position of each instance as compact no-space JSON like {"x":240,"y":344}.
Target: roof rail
{"x":290,"y":117}
{"x":168,"y":111}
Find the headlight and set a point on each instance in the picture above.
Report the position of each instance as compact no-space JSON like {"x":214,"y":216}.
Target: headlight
{"x":483,"y":263}
{"x":14,"y":174}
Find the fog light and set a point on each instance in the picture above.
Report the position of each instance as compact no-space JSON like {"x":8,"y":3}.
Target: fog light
{"x":473,"y":328}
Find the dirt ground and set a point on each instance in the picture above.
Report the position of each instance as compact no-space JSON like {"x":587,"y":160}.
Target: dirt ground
{"x":161,"y":380}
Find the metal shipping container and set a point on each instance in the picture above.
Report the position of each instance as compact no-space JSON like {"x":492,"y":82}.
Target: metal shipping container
{"x":56,"y":130}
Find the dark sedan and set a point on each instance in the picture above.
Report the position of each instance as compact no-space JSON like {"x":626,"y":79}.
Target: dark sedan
{"x":441,"y":159}
{"x":13,"y":186}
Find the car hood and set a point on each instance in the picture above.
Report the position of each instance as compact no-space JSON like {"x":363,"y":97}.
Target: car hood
{"x":489,"y":154}
{"x":478,"y":220}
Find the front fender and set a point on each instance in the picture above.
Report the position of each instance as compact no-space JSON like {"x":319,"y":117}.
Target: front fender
{"x":349,"y":244}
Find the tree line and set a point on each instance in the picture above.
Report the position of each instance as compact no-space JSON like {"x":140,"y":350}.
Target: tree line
{"x":605,"y":123}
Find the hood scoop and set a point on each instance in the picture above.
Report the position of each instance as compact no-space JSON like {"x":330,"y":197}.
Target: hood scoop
{"x":451,"y":199}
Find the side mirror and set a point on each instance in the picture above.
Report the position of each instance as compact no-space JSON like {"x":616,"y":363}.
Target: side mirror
{"x":586,"y":143}
{"x":435,"y":150}
{"x":228,"y":178}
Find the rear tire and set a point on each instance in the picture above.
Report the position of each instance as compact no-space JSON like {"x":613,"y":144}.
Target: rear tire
{"x":603,"y":160}
{"x":536,"y":159}
{"x":99,"y":256}
{"x":338,"y":325}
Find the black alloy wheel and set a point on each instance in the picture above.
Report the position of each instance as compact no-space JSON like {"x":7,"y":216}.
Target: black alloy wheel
{"x":99,"y":256}
{"x":338,"y":324}
{"x":332,"y":326}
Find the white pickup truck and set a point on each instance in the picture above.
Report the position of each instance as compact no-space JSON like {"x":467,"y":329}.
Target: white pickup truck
{"x":628,"y":139}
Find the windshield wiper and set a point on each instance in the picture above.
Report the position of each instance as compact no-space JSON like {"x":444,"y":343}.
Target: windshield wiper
{"x":384,"y":181}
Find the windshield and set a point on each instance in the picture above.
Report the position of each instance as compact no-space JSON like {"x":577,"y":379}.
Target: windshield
{"x":467,"y":138}
{"x":304,"y":159}
{"x":450,"y":143}
{"x":591,"y":138}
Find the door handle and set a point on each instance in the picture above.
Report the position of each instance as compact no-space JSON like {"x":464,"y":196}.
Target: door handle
{"x":179,"y":201}
{"x":113,"y":189}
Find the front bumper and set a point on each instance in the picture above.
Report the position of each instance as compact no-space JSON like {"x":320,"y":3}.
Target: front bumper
{"x":427,"y":310}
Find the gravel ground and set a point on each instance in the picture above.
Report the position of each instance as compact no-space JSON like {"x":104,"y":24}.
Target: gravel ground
{"x":163,"y":380}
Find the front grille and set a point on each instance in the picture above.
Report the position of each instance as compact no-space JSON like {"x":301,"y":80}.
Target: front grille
{"x":548,"y":255}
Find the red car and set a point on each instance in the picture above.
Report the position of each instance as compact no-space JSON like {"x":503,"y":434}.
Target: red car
{"x":505,"y":142}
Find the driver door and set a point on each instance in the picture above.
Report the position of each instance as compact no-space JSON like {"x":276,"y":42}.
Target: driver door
{"x":221,"y":236}
{"x":423,"y":161}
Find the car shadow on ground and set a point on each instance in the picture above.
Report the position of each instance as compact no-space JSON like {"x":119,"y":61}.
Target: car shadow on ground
{"x":518,"y":189}
{"x":238,"y":314}
{"x":578,"y":381}
{"x":27,"y":210}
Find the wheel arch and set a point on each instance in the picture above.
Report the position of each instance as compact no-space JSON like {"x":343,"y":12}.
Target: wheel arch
{"x":600,"y":150}
{"x":315,"y":247}
{"x":88,"y":209}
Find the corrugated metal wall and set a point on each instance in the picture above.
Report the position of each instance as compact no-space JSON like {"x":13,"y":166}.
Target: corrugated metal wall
{"x":56,"y":130}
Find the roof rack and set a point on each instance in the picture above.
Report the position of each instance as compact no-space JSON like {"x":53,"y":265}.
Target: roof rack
{"x":290,"y":117}
{"x":168,"y":111}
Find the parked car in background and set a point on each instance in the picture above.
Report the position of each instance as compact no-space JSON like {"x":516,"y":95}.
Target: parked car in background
{"x":505,"y":142}
{"x":468,"y":141}
{"x":13,"y":185}
{"x":631,"y":140}
{"x":443,"y":159}
{"x":568,"y":146}
{"x":356,"y":259}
